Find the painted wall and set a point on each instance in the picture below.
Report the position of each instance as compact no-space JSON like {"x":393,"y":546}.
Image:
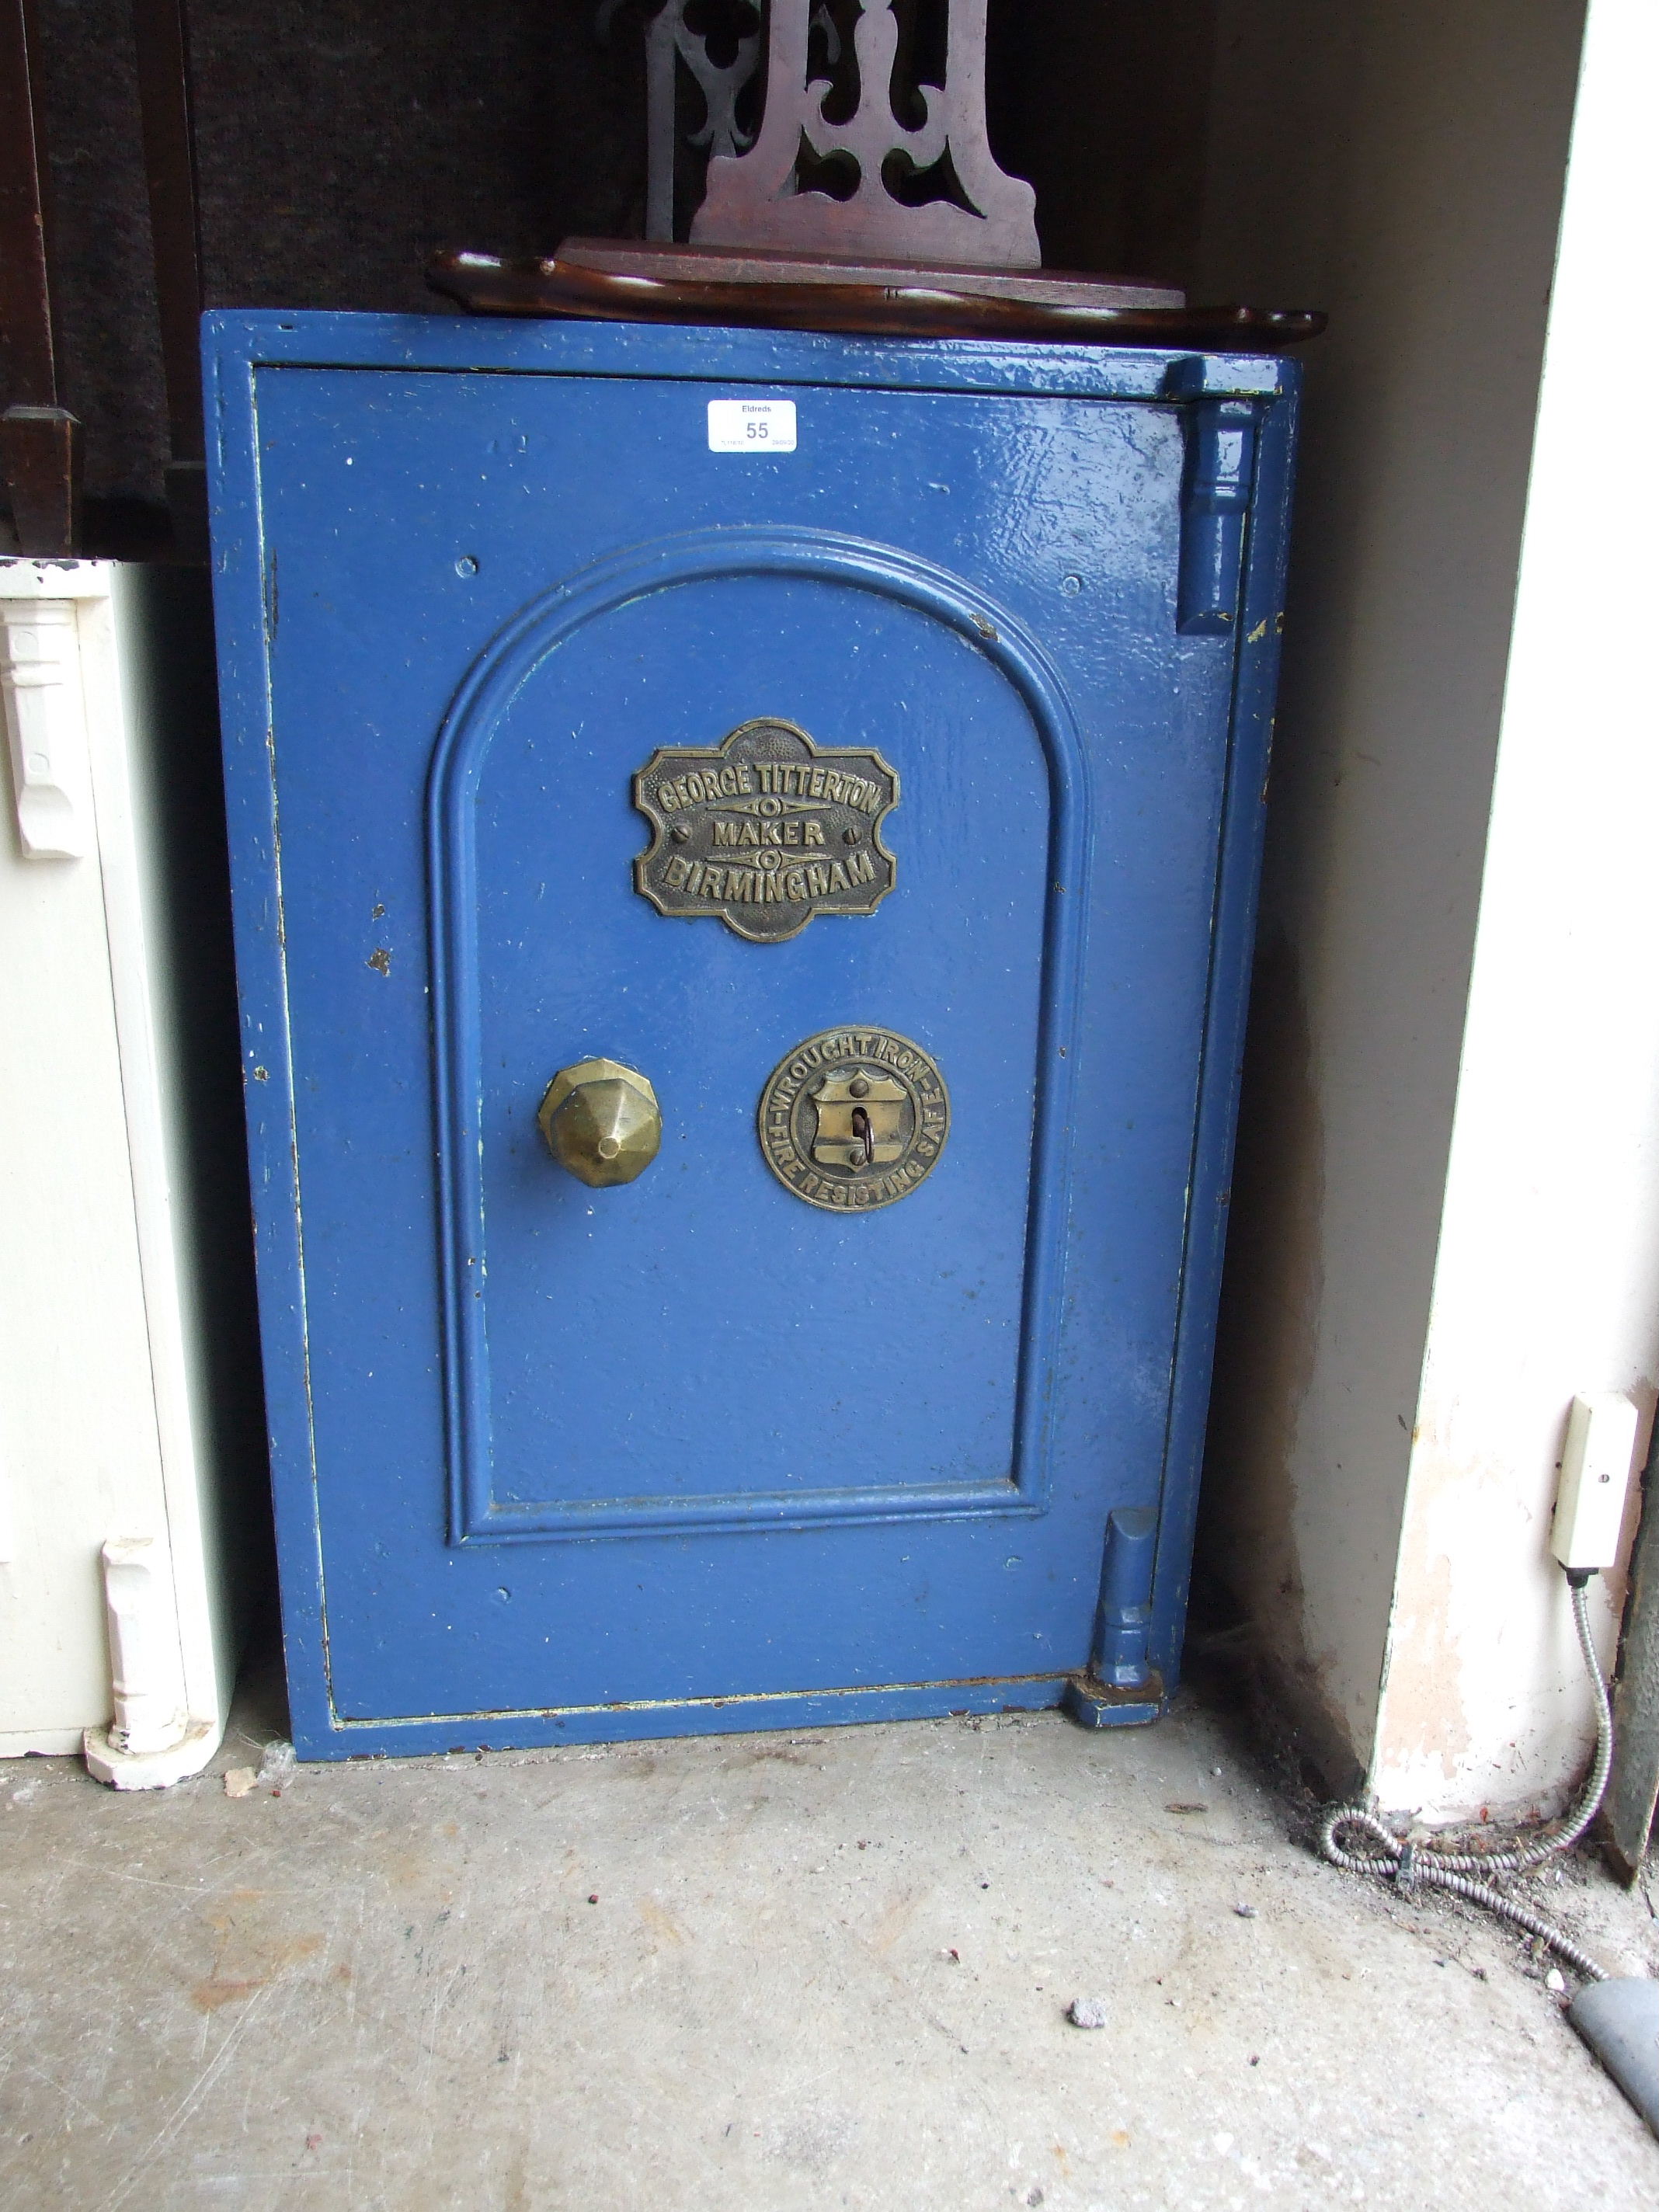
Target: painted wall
{"x":1399,"y":163}
{"x":1547,"y":1282}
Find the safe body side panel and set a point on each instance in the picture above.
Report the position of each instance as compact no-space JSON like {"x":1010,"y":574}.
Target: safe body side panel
{"x":288,"y":1217}
{"x":1261,"y":629}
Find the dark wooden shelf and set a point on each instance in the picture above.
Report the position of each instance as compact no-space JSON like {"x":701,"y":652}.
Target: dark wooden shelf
{"x":627,"y":281}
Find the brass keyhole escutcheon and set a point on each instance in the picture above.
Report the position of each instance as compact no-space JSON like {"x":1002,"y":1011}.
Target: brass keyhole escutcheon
{"x":601,"y":1122}
{"x":853,"y":1119}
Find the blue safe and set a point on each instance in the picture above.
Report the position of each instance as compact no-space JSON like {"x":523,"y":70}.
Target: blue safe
{"x":745,"y":852}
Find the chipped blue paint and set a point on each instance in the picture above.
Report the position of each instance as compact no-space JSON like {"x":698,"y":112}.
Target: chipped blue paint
{"x":553,"y":1464}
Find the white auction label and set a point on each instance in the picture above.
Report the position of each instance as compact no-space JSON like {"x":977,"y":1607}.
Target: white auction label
{"x":752,"y":426}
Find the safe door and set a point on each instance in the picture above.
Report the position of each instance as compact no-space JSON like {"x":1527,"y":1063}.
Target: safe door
{"x":741,"y":940}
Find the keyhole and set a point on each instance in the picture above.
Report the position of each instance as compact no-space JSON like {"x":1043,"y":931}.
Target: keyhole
{"x":865,"y":1136}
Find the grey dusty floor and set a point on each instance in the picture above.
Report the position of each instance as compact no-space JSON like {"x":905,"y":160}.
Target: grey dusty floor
{"x":772,"y":1971}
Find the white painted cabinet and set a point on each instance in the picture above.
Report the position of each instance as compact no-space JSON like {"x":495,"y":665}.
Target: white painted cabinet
{"x":104,"y":1403}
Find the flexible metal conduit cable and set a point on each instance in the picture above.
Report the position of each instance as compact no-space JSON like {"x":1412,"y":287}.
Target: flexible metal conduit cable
{"x":1407,"y":1864}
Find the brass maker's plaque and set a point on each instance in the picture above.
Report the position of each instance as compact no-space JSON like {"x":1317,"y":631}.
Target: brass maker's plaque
{"x":765,"y":830}
{"x":853,"y":1119}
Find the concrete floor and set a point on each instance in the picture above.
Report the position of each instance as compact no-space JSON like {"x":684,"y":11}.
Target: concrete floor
{"x":772,"y":1971}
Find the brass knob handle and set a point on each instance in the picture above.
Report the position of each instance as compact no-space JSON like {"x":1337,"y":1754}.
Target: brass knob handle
{"x":601,"y":1122}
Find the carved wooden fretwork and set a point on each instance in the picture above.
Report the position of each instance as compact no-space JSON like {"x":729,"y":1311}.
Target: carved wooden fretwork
{"x":755,"y":199}
{"x":673,"y":44}
{"x":670,"y":39}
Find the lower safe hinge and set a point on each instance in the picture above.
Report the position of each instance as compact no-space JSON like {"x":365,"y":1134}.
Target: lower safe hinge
{"x":1094,"y":1703}
{"x":1120,"y":1688}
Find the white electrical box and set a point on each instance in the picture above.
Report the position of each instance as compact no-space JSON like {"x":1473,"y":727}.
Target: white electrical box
{"x":1595,"y":1470}
{"x":111,"y":1542}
